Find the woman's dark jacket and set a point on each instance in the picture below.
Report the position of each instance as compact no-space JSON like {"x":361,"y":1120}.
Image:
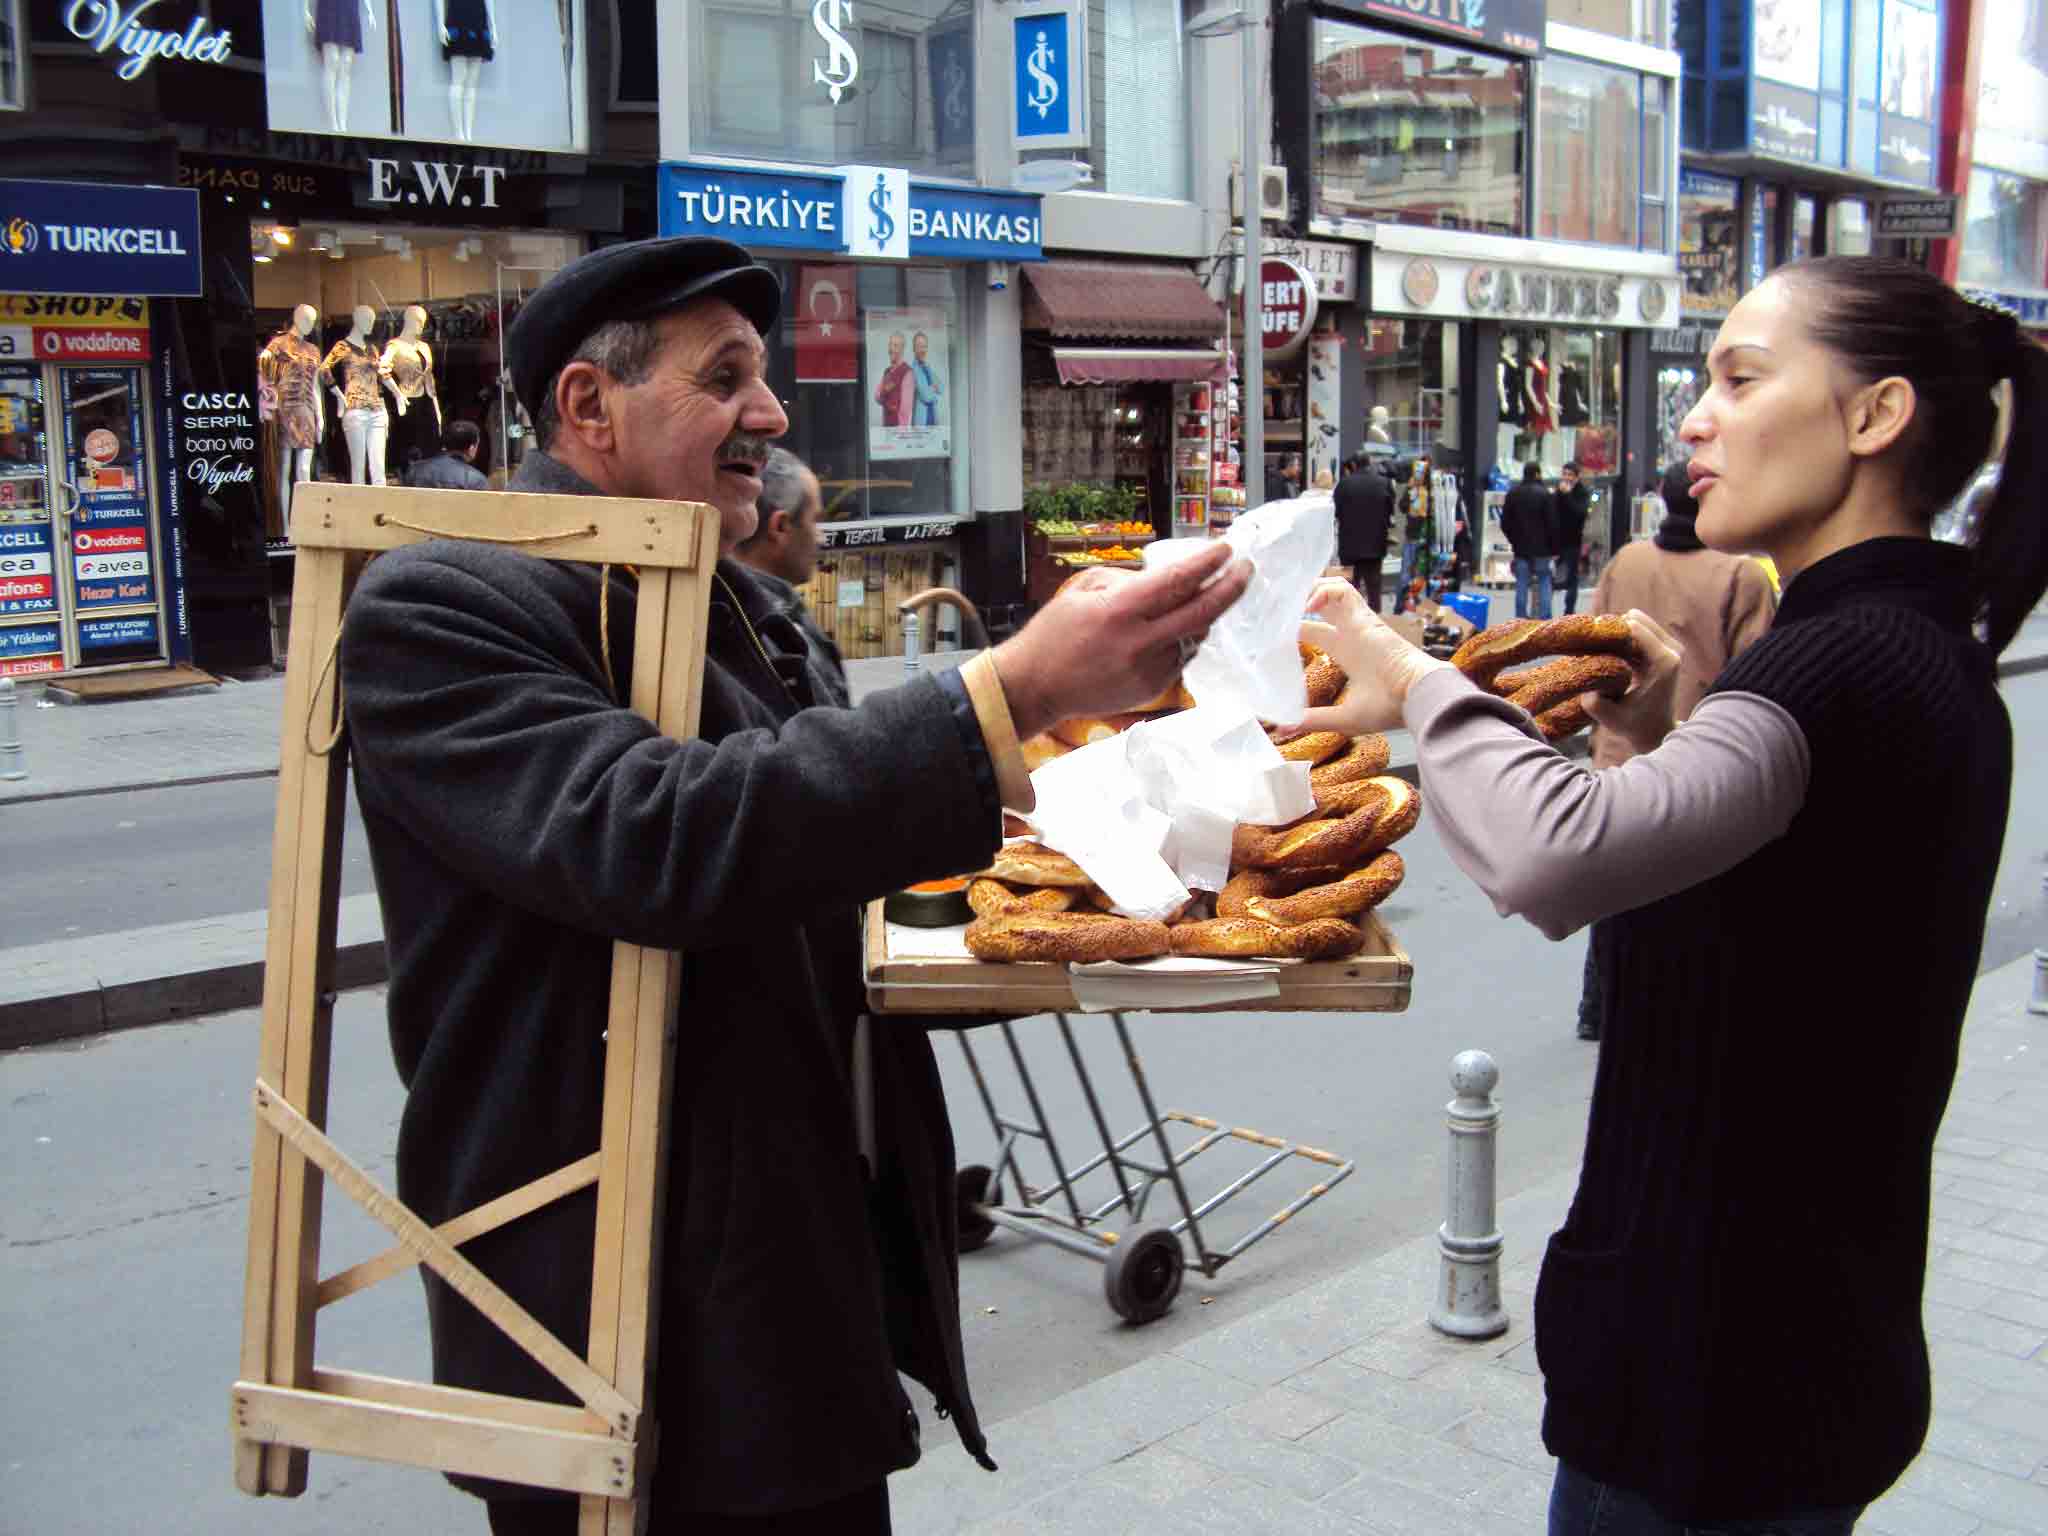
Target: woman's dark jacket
{"x":519,"y":822}
{"x":1729,"y":1320}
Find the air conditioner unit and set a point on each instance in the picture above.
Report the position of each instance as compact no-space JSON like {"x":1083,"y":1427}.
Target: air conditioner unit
{"x":1272,"y":193}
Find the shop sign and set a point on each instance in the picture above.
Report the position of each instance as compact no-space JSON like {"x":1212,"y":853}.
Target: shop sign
{"x":859,"y":535}
{"x":215,"y":440}
{"x":1332,"y":265}
{"x":1784,"y":122}
{"x":1287,"y":306}
{"x":2030,"y":309}
{"x":106,"y":26}
{"x":1050,"y":87}
{"x":73,"y":238}
{"x":1404,"y":282}
{"x":1537,"y":294}
{"x":839,"y":66}
{"x":73,"y":328}
{"x":1515,"y":25}
{"x":1683,"y":341}
{"x":1903,"y":218}
{"x":434,"y":181}
{"x":27,"y":649}
{"x":949,"y":54}
{"x":135,"y":629}
{"x":850,"y":211}
{"x":28,"y":572}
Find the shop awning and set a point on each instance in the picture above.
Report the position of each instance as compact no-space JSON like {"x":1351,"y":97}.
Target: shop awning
{"x":1119,"y":299}
{"x":1124,"y":365}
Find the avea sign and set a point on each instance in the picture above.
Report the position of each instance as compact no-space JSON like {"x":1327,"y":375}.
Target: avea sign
{"x":107,"y":26}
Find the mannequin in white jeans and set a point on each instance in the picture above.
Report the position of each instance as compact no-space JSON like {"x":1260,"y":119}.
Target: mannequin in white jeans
{"x":351,"y":372}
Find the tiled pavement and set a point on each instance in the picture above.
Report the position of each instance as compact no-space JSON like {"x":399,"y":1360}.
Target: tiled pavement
{"x":1339,"y":1412}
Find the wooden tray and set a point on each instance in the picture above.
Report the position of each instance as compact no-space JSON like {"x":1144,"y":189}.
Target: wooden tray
{"x":1376,"y":980}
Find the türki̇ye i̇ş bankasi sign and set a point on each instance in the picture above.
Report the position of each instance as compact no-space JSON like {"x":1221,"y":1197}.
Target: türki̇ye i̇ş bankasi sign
{"x":861,"y":211}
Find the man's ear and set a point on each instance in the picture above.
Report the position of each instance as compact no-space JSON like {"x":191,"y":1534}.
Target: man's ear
{"x":1879,"y":413}
{"x":581,"y":406}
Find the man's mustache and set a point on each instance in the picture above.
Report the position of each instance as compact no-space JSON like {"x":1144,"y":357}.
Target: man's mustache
{"x":744,"y":448}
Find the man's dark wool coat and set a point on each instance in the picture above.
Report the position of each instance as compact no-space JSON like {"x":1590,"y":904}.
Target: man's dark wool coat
{"x":1365,"y":513}
{"x":1527,"y":519}
{"x":519,"y":822}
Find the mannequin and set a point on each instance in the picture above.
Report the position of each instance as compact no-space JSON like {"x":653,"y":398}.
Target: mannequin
{"x":337,"y":29}
{"x":407,"y":369}
{"x":351,"y":371}
{"x":1511,"y":402}
{"x":290,"y":364}
{"x":1376,"y":426}
{"x":1571,"y":395}
{"x":1536,"y":384}
{"x":469,"y":32}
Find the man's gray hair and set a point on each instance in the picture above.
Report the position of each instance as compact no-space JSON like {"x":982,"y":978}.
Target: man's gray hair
{"x":623,"y":349}
{"x":782,"y":482}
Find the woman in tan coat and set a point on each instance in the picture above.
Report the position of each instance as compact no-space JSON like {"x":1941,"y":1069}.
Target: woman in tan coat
{"x":1713,"y":604}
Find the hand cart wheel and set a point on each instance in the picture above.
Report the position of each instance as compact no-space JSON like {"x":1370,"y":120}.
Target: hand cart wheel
{"x":1142,"y":1274}
{"x":975,"y":1187}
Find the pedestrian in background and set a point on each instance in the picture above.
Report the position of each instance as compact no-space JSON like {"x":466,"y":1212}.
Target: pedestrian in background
{"x":1729,"y":1322}
{"x":1365,"y":516}
{"x":783,"y":553}
{"x":1411,"y":505}
{"x":1528,"y":520}
{"x":1714,"y":606}
{"x":454,"y":467}
{"x":1569,"y":503}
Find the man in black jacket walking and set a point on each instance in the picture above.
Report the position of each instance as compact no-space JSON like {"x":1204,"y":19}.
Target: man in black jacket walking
{"x":1365,"y":513}
{"x":521,"y":820}
{"x":1568,"y":508}
{"x":1526,"y":519}
{"x":783,"y":554}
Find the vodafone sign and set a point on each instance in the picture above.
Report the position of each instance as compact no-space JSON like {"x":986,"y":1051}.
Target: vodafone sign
{"x":1287,"y":305}
{"x":110,"y":540}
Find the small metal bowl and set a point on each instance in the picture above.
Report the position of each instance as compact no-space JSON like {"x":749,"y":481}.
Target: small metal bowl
{"x":927,"y":909}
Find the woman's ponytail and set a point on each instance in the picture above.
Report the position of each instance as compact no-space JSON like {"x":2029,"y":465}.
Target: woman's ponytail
{"x":2011,"y":539}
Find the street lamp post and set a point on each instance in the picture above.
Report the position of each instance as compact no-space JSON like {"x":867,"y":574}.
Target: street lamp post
{"x":1251,"y":371}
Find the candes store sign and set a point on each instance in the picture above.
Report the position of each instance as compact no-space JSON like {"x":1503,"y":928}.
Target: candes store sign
{"x":138,"y":34}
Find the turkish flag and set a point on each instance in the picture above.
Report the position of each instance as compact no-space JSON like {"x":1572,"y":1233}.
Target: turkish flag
{"x":827,"y":326}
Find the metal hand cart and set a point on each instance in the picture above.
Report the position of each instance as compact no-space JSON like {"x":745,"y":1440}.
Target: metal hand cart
{"x":1143,"y":1264}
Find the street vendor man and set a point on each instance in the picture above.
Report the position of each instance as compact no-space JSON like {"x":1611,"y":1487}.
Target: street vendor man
{"x":521,"y":818}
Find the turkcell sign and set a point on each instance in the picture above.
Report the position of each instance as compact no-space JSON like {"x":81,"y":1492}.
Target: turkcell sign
{"x":28,"y":572}
{"x":29,"y":640}
{"x":848,"y":212}
{"x":70,"y":237}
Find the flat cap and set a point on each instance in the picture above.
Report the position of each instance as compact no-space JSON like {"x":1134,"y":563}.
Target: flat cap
{"x":634,"y":281}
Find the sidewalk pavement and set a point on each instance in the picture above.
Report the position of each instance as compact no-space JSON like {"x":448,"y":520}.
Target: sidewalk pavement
{"x":68,"y":988}
{"x":1339,"y":1412}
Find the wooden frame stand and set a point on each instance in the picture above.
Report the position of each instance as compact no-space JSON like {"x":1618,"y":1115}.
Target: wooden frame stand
{"x":284,"y":1405}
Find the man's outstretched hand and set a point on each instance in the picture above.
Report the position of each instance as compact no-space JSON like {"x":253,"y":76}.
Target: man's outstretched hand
{"x":1111,"y":639}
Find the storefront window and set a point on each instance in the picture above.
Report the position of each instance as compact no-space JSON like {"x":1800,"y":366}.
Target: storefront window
{"x":832,"y":83}
{"x":1560,"y":401}
{"x":437,"y":301}
{"x":2004,"y":230}
{"x":1656,"y":163}
{"x":1589,"y":130}
{"x":1409,"y":132}
{"x":874,"y":378}
{"x":1137,"y":100}
{"x":1411,"y":373}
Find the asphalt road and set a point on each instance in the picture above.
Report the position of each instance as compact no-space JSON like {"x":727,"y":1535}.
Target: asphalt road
{"x":123,"y":1166}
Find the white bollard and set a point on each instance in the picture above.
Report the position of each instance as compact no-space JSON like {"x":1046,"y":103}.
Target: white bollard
{"x":1467,"y":1303}
{"x":911,"y":640}
{"x":2038,"y":1003}
{"x":12,"y":764}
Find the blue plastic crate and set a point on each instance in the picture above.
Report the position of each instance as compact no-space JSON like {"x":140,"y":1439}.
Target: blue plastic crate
{"x":1469,"y":606}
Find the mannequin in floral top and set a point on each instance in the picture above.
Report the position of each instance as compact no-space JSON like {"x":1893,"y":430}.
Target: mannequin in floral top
{"x":352,"y":371}
{"x":288,"y":369}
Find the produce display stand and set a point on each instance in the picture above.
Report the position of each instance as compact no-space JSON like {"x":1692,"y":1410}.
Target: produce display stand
{"x":284,"y":1405}
{"x":1142,"y":1265}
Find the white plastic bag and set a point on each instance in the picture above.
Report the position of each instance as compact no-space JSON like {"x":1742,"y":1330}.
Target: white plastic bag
{"x":1249,"y":664}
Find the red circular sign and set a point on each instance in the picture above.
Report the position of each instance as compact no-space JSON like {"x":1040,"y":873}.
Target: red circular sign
{"x":1287,"y":305}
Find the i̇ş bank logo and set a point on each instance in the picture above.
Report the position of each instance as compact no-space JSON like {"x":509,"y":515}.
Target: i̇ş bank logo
{"x":21,"y":238}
